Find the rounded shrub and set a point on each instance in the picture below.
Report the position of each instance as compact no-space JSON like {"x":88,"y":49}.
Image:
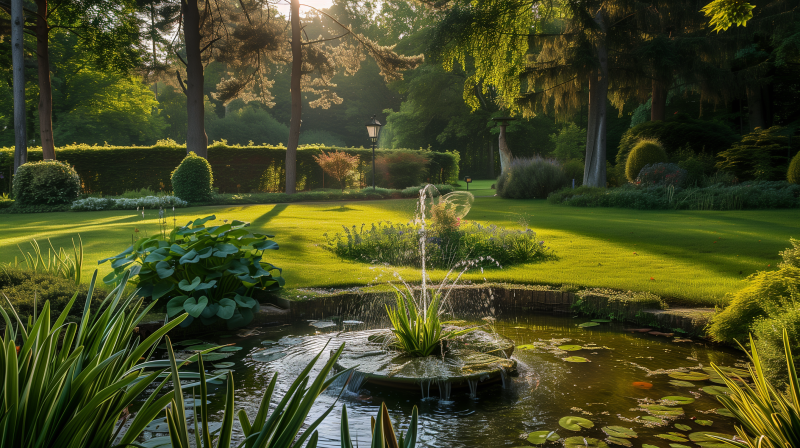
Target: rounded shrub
{"x":666,"y":174}
{"x":793,"y":175}
{"x":646,"y":152}
{"x":531,"y":177}
{"x":48,"y":182}
{"x":192,"y":180}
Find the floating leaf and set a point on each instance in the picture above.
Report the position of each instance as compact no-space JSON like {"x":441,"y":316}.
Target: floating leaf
{"x":584,"y":442}
{"x":728,"y":371}
{"x":267,"y":355}
{"x":221,"y":371}
{"x":588,"y":324}
{"x":698,"y":437}
{"x":683,"y":427}
{"x":323,"y":324}
{"x":690,"y":376}
{"x":619,"y":431}
{"x":229,"y":349}
{"x":158,"y":442}
{"x":290,"y":340}
{"x":200,"y":347}
{"x":679,"y":399}
{"x":704,"y":422}
{"x":573,"y":423}
{"x":649,"y":418}
{"x":540,"y":437}
{"x":620,"y":441}
{"x":576,"y":359}
{"x":158,"y":425}
{"x":649,"y":446}
{"x":724,"y":412}
{"x":526,"y":347}
{"x":681,"y":383}
{"x":601,"y":321}
{"x":716,"y":390}
{"x":570,"y":348}
{"x":639,"y":330}
{"x":210,"y":357}
{"x":672,"y":437}
{"x":678,"y":445}
{"x":224,"y":365}
{"x":189,"y":342}
{"x":662,"y":411}
{"x":642,"y":385}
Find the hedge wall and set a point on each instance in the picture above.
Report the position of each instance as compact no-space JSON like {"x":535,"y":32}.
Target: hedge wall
{"x":111,"y":170}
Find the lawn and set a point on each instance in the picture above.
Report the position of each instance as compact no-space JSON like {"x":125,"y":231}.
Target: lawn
{"x":686,"y":256}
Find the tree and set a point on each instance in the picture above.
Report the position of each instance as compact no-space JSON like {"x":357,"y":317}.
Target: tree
{"x":338,"y":165}
{"x":18,"y":50}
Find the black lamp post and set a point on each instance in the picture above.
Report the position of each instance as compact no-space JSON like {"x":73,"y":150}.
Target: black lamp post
{"x":373,"y":129}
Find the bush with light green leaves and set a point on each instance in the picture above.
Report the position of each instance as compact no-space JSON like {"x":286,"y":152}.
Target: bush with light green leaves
{"x":209,"y":272}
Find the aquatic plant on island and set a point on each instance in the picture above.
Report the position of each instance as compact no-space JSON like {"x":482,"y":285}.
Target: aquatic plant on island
{"x":210,"y":273}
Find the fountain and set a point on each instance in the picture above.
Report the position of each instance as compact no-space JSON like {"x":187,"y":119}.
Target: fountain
{"x":421,"y":352}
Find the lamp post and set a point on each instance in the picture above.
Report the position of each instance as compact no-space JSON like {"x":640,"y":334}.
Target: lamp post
{"x":373,"y":129}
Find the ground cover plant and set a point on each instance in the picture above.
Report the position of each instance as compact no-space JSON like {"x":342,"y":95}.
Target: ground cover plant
{"x":695,"y":257}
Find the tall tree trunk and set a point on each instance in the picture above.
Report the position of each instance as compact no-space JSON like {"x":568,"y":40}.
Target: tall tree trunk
{"x":18,"y":64}
{"x":297,"y":107}
{"x":196,"y":138}
{"x":153,"y":40}
{"x":594,"y":173}
{"x":505,"y":152}
{"x":45,"y":89}
{"x":755,"y":107}
{"x":658,"y":101}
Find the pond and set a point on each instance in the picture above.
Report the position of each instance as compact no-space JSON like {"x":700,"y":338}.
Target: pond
{"x":626,"y":370}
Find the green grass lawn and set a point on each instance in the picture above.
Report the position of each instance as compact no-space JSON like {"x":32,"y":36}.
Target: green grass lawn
{"x":691,"y":256}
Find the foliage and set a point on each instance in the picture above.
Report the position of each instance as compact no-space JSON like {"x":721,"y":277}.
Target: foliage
{"x":338,"y":165}
{"x":211,"y":273}
{"x":84,"y":374}
{"x":237,"y":169}
{"x":722,"y":14}
{"x":793,"y":173}
{"x":699,"y":166}
{"x":573,"y":169}
{"x":93,"y":204}
{"x":49,"y":182}
{"x":769,"y":332}
{"x":193,"y":180}
{"x":645,"y":152}
{"x":320,"y":138}
{"x":747,"y":195}
{"x":760,"y":155}
{"x":57,"y":262}
{"x":675,"y":133}
{"x":246,"y":125}
{"x":27,"y":290}
{"x":323,"y":195}
{"x":398,"y":244}
{"x":770,"y":418}
{"x":417,"y":328}
{"x":529,"y":178}
{"x":399,"y":170}
{"x":570,"y":142}
{"x":666,"y":174}
{"x":791,"y":256}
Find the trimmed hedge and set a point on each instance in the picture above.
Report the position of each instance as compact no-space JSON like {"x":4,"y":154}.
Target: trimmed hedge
{"x":112,"y":170}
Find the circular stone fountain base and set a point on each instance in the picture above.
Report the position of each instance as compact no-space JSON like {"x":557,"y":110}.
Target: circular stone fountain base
{"x":477,"y":357}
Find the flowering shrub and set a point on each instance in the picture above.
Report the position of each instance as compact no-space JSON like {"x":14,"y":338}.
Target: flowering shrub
{"x":338,"y":165}
{"x":399,"y":245}
{"x":93,"y":204}
{"x":666,"y":174}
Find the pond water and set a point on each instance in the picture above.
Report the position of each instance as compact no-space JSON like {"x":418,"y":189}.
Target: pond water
{"x":609,"y":390}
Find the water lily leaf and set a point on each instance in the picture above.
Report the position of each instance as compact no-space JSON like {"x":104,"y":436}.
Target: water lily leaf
{"x":681,"y":383}
{"x":619,"y":441}
{"x":224,"y":365}
{"x":157,"y":442}
{"x":226,"y":308}
{"x":229,"y":349}
{"x":573,"y":423}
{"x":725,"y":412}
{"x":322,"y":324}
{"x":576,"y":359}
{"x":187,"y":286}
{"x":186,"y":342}
{"x":175,"y":305}
{"x":683,"y":427}
{"x":526,"y":347}
{"x":221,"y":371}
{"x":602,"y":321}
{"x":584,"y":442}
{"x":672,"y":437}
{"x":210,"y":357}
{"x":698,"y":437}
{"x":570,"y":348}
{"x":690,"y":376}
{"x":649,"y":446}
{"x":642,"y":385}
{"x":679,"y":399}
{"x":678,"y":445}
{"x":728,"y":371}
{"x":290,"y":340}
{"x":649,"y":418}
{"x":716,"y":390}
{"x":267,"y":355}
{"x":588,"y":324}
{"x":662,"y":411}
{"x":164,"y":269}
{"x":704,"y":422}
{"x":200,"y":347}
{"x":540,"y":437}
{"x":619,"y":431}
{"x":195,"y":306}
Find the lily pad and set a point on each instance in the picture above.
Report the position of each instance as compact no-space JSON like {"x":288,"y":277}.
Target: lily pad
{"x":680,"y":383}
{"x":619,"y":431}
{"x":650,"y":418}
{"x":210,"y":357}
{"x":230,"y":349}
{"x":158,"y":442}
{"x":698,"y":437}
{"x":200,"y":347}
{"x":221,"y":371}
{"x":672,"y":437}
{"x":224,"y":365}
{"x":526,"y":347}
{"x":683,"y":427}
{"x":679,"y":399}
{"x":678,"y":445}
{"x":649,"y":446}
{"x":570,"y":348}
{"x":290,"y":340}
{"x":729,"y":371}
{"x":573,"y":423}
{"x":690,"y":376}
{"x":662,"y":411}
{"x":588,"y":324}
{"x":158,"y":425}
{"x":716,"y":390}
{"x":188,"y":342}
{"x":602,"y":321}
{"x":540,"y":437}
{"x":620,"y":441}
{"x":352,"y":322}
{"x":323,"y":324}
{"x":584,"y":442}
{"x":267,"y":355}
{"x":704,"y":422}
{"x":725,"y":412}
{"x":576,"y":359}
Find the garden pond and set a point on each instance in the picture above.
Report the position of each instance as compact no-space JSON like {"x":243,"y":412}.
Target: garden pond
{"x":622,"y":387}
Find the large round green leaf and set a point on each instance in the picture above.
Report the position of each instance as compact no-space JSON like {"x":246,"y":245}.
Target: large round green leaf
{"x":679,"y":399}
{"x":195,"y":306}
{"x":675,"y":437}
{"x":716,"y":390}
{"x":245,"y":302}
{"x":210,"y":357}
{"x":230,"y":349}
{"x":576,"y":359}
{"x":601,"y":321}
{"x":573,"y":423}
{"x":690,"y":376}
{"x":662,"y":411}
{"x":703,"y":436}
{"x":570,"y":348}
{"x":683,"y":427}
{"x":619,"y":431}
{"x":620,"y":441}
{"x":540,"y":437}
{"x":161,"y":288}
{"x":681,"y":383}
{"x":729,"y":371}
{"x":704,"y":422}
{"x":226,"y":308}
{"x":588,"y":324}
{"x":164,"y":269}
{"x":189,"y":286}
{"x":650,"y":418}
{"x":175,"y":305}
{"x":223,"y":365}
{"x":725,"y":412}
{"x":584,"y":442}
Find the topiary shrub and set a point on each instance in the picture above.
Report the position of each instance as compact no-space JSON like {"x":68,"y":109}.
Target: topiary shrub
{"x":192,"y":180}
{"x":531,"y":178}
{"x":646,"y":152}
{"x":48,"y":182}
{"x":793,"y":174}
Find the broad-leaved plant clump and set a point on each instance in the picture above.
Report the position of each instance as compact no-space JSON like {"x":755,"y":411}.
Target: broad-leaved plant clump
{"x":193,"y":180}
{"x":209,"y":272}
